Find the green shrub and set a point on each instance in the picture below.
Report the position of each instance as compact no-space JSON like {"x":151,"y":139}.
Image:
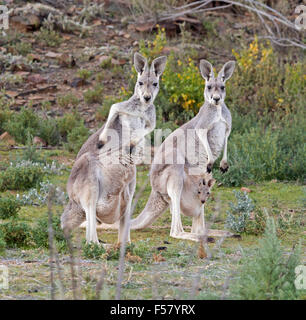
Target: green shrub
{"x":48,"y":37}
{"x":66,"y":123}
{"x":270,"y":273}
{"x":2,"y":243}
{"x":84,"y":74}
{"x":21,"y":176}
{"x":9,"y":207}
{"x":92,"y":250}
{"x":102,"y":112}
{"x":239,"y":213}
{"x":16,"y":234}
{"x":22,"y":124}
{"x":40,"y":232}
{"x":48,"y":131}
{"x":94,"y":95}
{"x":76,"y":138}
{"x":67,"y":100}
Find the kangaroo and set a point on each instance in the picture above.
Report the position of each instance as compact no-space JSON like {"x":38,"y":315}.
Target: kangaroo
{"x":100,"y":188}
{"x":196,"y":190}
{"x":210,"y":128}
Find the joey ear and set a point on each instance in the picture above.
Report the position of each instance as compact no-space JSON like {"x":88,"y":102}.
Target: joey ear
{"x":227,"y":71}
{"x":158,"y":65}
{"x":211,"y":182}
{"x":140,"y":63}
{"x":206,"y":69}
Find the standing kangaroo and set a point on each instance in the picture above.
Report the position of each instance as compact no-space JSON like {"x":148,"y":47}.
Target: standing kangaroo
{"x":210,"y":128}
{"x":98,"y":187}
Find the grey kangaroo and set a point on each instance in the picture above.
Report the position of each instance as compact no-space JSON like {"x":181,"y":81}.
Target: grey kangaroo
{"x":100,"y":188}
{"x":173,"y":162}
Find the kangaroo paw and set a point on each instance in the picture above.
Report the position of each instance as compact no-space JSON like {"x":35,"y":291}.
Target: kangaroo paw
{"x":100,"y":144}
{"x":209,"y":167}
{"x":223,"y":166}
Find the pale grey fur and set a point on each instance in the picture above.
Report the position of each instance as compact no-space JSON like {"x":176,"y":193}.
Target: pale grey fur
{"x":97,"y":188}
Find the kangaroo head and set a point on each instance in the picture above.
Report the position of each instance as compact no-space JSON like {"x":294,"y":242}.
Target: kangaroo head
{"x":214,"y":91}
{"x":205,"y":183}
{"x":147,"y":84}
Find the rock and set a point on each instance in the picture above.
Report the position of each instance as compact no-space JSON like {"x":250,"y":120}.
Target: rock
{"x":36,"y":78}
{"x":78,"y":82}
{"x":7,"y":139}
{"x":66,"y":60}
{"x":243,"y":189}
{"x":39,"y":142}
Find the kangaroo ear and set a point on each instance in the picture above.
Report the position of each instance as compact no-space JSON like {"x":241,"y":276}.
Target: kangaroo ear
{"x":227,"y":71}
{"x":206,"y":69}
{"x":140,"y":63}
{"x":158,"y":65}
{"x":211,"y":182}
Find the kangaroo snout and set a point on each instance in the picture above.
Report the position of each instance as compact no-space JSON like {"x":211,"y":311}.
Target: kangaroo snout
{"x":203,"y":201}
{"x":216,"y":99}
{"x":147,"y":98}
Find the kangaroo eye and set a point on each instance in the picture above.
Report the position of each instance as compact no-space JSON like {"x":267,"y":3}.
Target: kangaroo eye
{"x":140,"y":83}
{"x":155,"y":84}
{"x":208,"y":87}
{"x":222,"y":87}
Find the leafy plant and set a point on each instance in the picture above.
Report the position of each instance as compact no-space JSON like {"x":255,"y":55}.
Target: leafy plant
{"x":239,"y":213}
{"x":94,"y":95}
{"x":16,"y":234}
{"x":67,"y":100}
{"x":49,"y":37}
{"x":40,"y":232}
{"x":76,"y":138}
{"x":270,"y":273}
{"x":92,"y":250}
{"x":9,"y":207}
{"x":2,"y":243}
{"x":21,"y":176}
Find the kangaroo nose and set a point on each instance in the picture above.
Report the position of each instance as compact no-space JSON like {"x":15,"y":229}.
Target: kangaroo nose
{"x":147,"y":98}
{"x":203,"y":201}
{"x":216,"y":99}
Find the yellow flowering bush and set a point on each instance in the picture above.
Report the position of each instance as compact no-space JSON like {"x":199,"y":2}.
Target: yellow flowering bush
{"x":263,"y":83}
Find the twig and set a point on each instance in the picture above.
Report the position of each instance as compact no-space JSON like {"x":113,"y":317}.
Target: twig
{"x":72,"y":268}
{"x":100,"y":283}
{"x":50,"y":238}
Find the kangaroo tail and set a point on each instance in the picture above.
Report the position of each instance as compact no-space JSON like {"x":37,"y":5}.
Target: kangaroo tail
{"x":155,"y":206}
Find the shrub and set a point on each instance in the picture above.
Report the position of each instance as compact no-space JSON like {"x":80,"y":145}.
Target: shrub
{"x":16,"y":234}
{"x":48,"y":37}
{"x":76,"y":138}
{"x":2,"y":243}
{"x":21,"y":176}
{"x":84,"y":74}
{"x":9,"y":207}
{"x":40,"y":197}
{"x":270,"y":273}
{"x":92,"y":250}
{"x":48,"y":131}
{"x":22,"y":124}
{"x":40,"y":232}
{"x":239,"y":214}
{"x":102,"y":112}
{"x":67,"y":100}
{"x":94,"y":95}
{"x":66,"y":123}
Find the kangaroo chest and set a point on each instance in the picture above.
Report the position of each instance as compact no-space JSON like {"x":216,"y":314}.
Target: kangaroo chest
{"x":218,"y":119}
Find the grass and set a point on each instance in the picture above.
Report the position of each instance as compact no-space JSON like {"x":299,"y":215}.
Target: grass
{"x":182,"y":275}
